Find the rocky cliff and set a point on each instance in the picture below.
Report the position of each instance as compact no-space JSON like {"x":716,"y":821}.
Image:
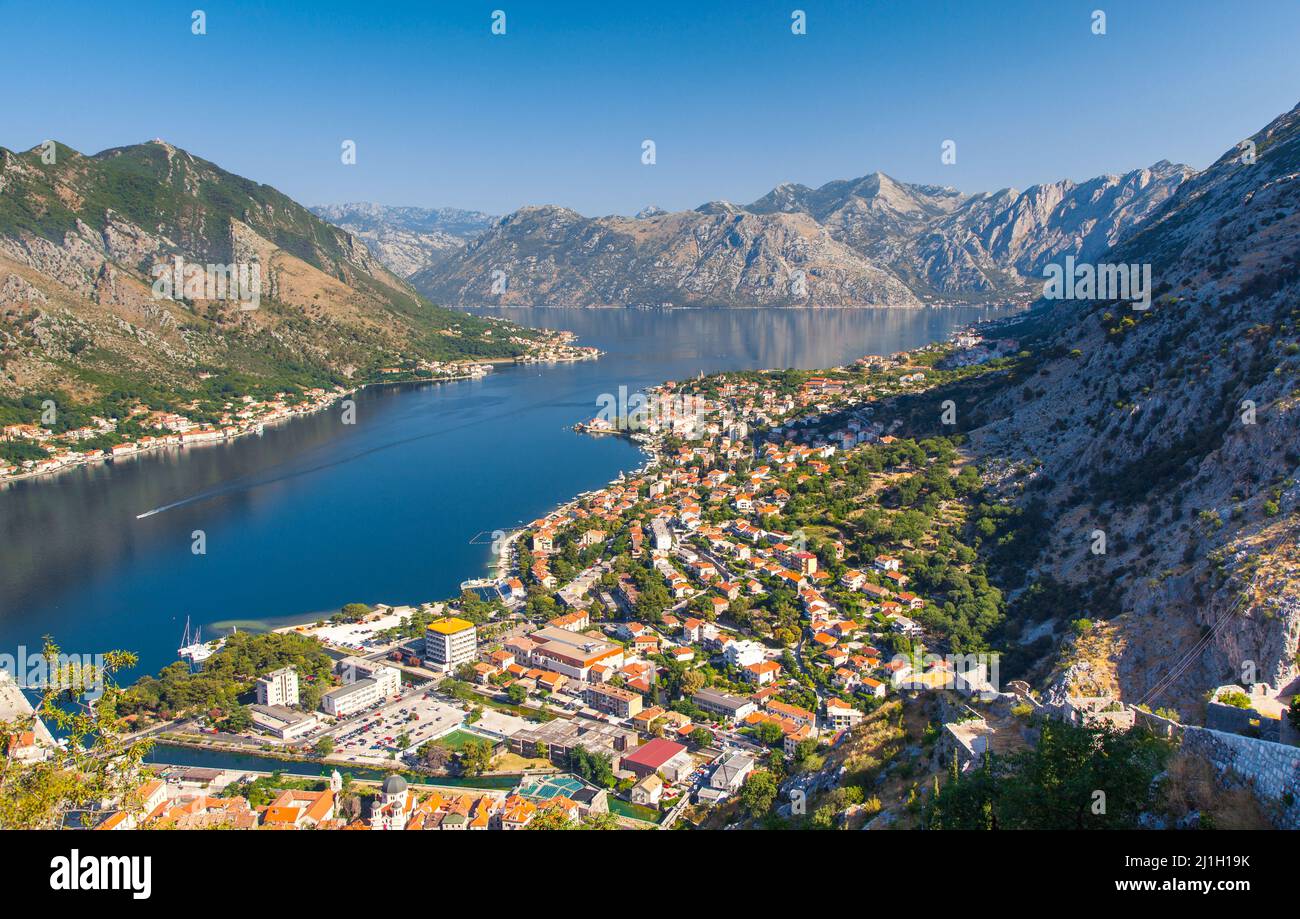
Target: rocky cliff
{"x":407,"y":239}
{"x":1175,"y":433}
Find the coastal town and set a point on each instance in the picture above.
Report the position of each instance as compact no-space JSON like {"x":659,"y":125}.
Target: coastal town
{"x":681,"y":428}
{"x":604,"y":664}
{"x":772,"y":621}
{"x":718,"y":639}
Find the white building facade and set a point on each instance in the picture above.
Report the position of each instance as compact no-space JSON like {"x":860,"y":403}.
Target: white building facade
{"x":279,"y":687}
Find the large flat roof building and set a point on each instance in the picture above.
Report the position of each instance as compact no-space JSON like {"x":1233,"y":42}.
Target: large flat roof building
{"x":557,"y":739}
{"x":722,"y":703}
{"x":368,"y":683}
{"x":660,"y":755}
{"x":572,"y":653}
{"x":285,"y":723}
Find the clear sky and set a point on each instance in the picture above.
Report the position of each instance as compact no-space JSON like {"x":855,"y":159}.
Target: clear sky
{"x":444,"y":113}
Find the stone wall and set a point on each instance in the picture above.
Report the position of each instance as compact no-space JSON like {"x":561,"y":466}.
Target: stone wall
{"x":1233,"y":720}
{"x":1158,"y":724}
{"x":1273,"y":769}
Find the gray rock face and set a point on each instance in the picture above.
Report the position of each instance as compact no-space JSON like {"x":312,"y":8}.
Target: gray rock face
{"x":553,"y":256}
{"x":407,"y":239}
{"x":858,"y":242}
{"x":1175,"y":430}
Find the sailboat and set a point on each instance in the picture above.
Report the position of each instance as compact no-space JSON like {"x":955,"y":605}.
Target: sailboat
{"x":192,"y":647}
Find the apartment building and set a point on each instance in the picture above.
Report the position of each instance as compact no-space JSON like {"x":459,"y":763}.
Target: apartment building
{"x":367,"y":684}
{"x":449,"y":642}
{"x":613,"y":700}
{"x":279,"y":687}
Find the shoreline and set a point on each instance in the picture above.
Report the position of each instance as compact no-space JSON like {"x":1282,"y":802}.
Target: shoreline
{"x":501,"y":567}
{"x":720,"y":307}
{"x":259,"y":426}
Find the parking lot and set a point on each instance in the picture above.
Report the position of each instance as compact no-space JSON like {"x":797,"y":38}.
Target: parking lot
{"x":359,"y":636}
{"x":375,"y":737}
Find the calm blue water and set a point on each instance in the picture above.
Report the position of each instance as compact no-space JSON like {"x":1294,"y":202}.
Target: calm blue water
{"x":315,"y":513}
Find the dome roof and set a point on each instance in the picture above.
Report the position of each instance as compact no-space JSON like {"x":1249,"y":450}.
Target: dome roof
{"x":394,"y":785}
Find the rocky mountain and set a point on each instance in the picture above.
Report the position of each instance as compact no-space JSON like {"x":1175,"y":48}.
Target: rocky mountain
{"x":552,"y":256}
{"x":1156,"y":453}
{"x":872,"y":240}
{"x":407,"y":239}
{"x":85,"y":304}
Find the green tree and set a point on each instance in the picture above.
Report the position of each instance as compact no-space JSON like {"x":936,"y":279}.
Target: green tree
{"x":238,"y":719}
{"x":692,"y":681}
{"x":95,"y":762}
{"x":592,"y":767}
{"x":435,"y":756}
{"x":758,"y":793}
{"x":476,"y":757}
{"x":353,"y":612}
{"x":1075,"y":778}
{"x":769,"y":733}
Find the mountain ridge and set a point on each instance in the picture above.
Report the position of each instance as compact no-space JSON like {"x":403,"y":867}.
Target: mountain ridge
{"x":1175,"y":433}
{"x":407,"y":239}
{"x":850,"y":242}
{"x":82,"y":237}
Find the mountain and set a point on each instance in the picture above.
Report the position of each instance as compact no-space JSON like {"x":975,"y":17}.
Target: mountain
{"x":407,"y":239}
{"x":1174,"y":432}
{"x":871,"y":240}
{"x":552,"y":256}
{"x":81,"y":237}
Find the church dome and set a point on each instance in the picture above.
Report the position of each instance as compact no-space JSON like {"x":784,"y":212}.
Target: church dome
{"x":394,"y":785}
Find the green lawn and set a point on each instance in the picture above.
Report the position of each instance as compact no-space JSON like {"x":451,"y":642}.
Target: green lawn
{"x":456,"y":740}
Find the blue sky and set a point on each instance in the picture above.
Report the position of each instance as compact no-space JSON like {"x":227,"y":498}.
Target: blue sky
{"x":446,"y":114}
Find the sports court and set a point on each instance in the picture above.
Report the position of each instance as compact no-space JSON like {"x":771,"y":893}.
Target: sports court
{"x":546,"y":787}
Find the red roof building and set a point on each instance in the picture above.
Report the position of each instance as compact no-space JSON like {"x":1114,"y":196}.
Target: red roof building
{"x":655,"y":755}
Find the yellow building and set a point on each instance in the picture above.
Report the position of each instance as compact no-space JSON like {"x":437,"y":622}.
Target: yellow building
{"x":450,"y":641}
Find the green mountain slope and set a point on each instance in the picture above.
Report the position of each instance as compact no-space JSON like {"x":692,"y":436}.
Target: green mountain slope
{"x":80,"y":239}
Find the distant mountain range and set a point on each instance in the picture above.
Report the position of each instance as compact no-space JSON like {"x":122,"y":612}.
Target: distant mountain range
{"x":81,"y":237}
{"x":408,"y":239}
{"x":872,"y":240}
